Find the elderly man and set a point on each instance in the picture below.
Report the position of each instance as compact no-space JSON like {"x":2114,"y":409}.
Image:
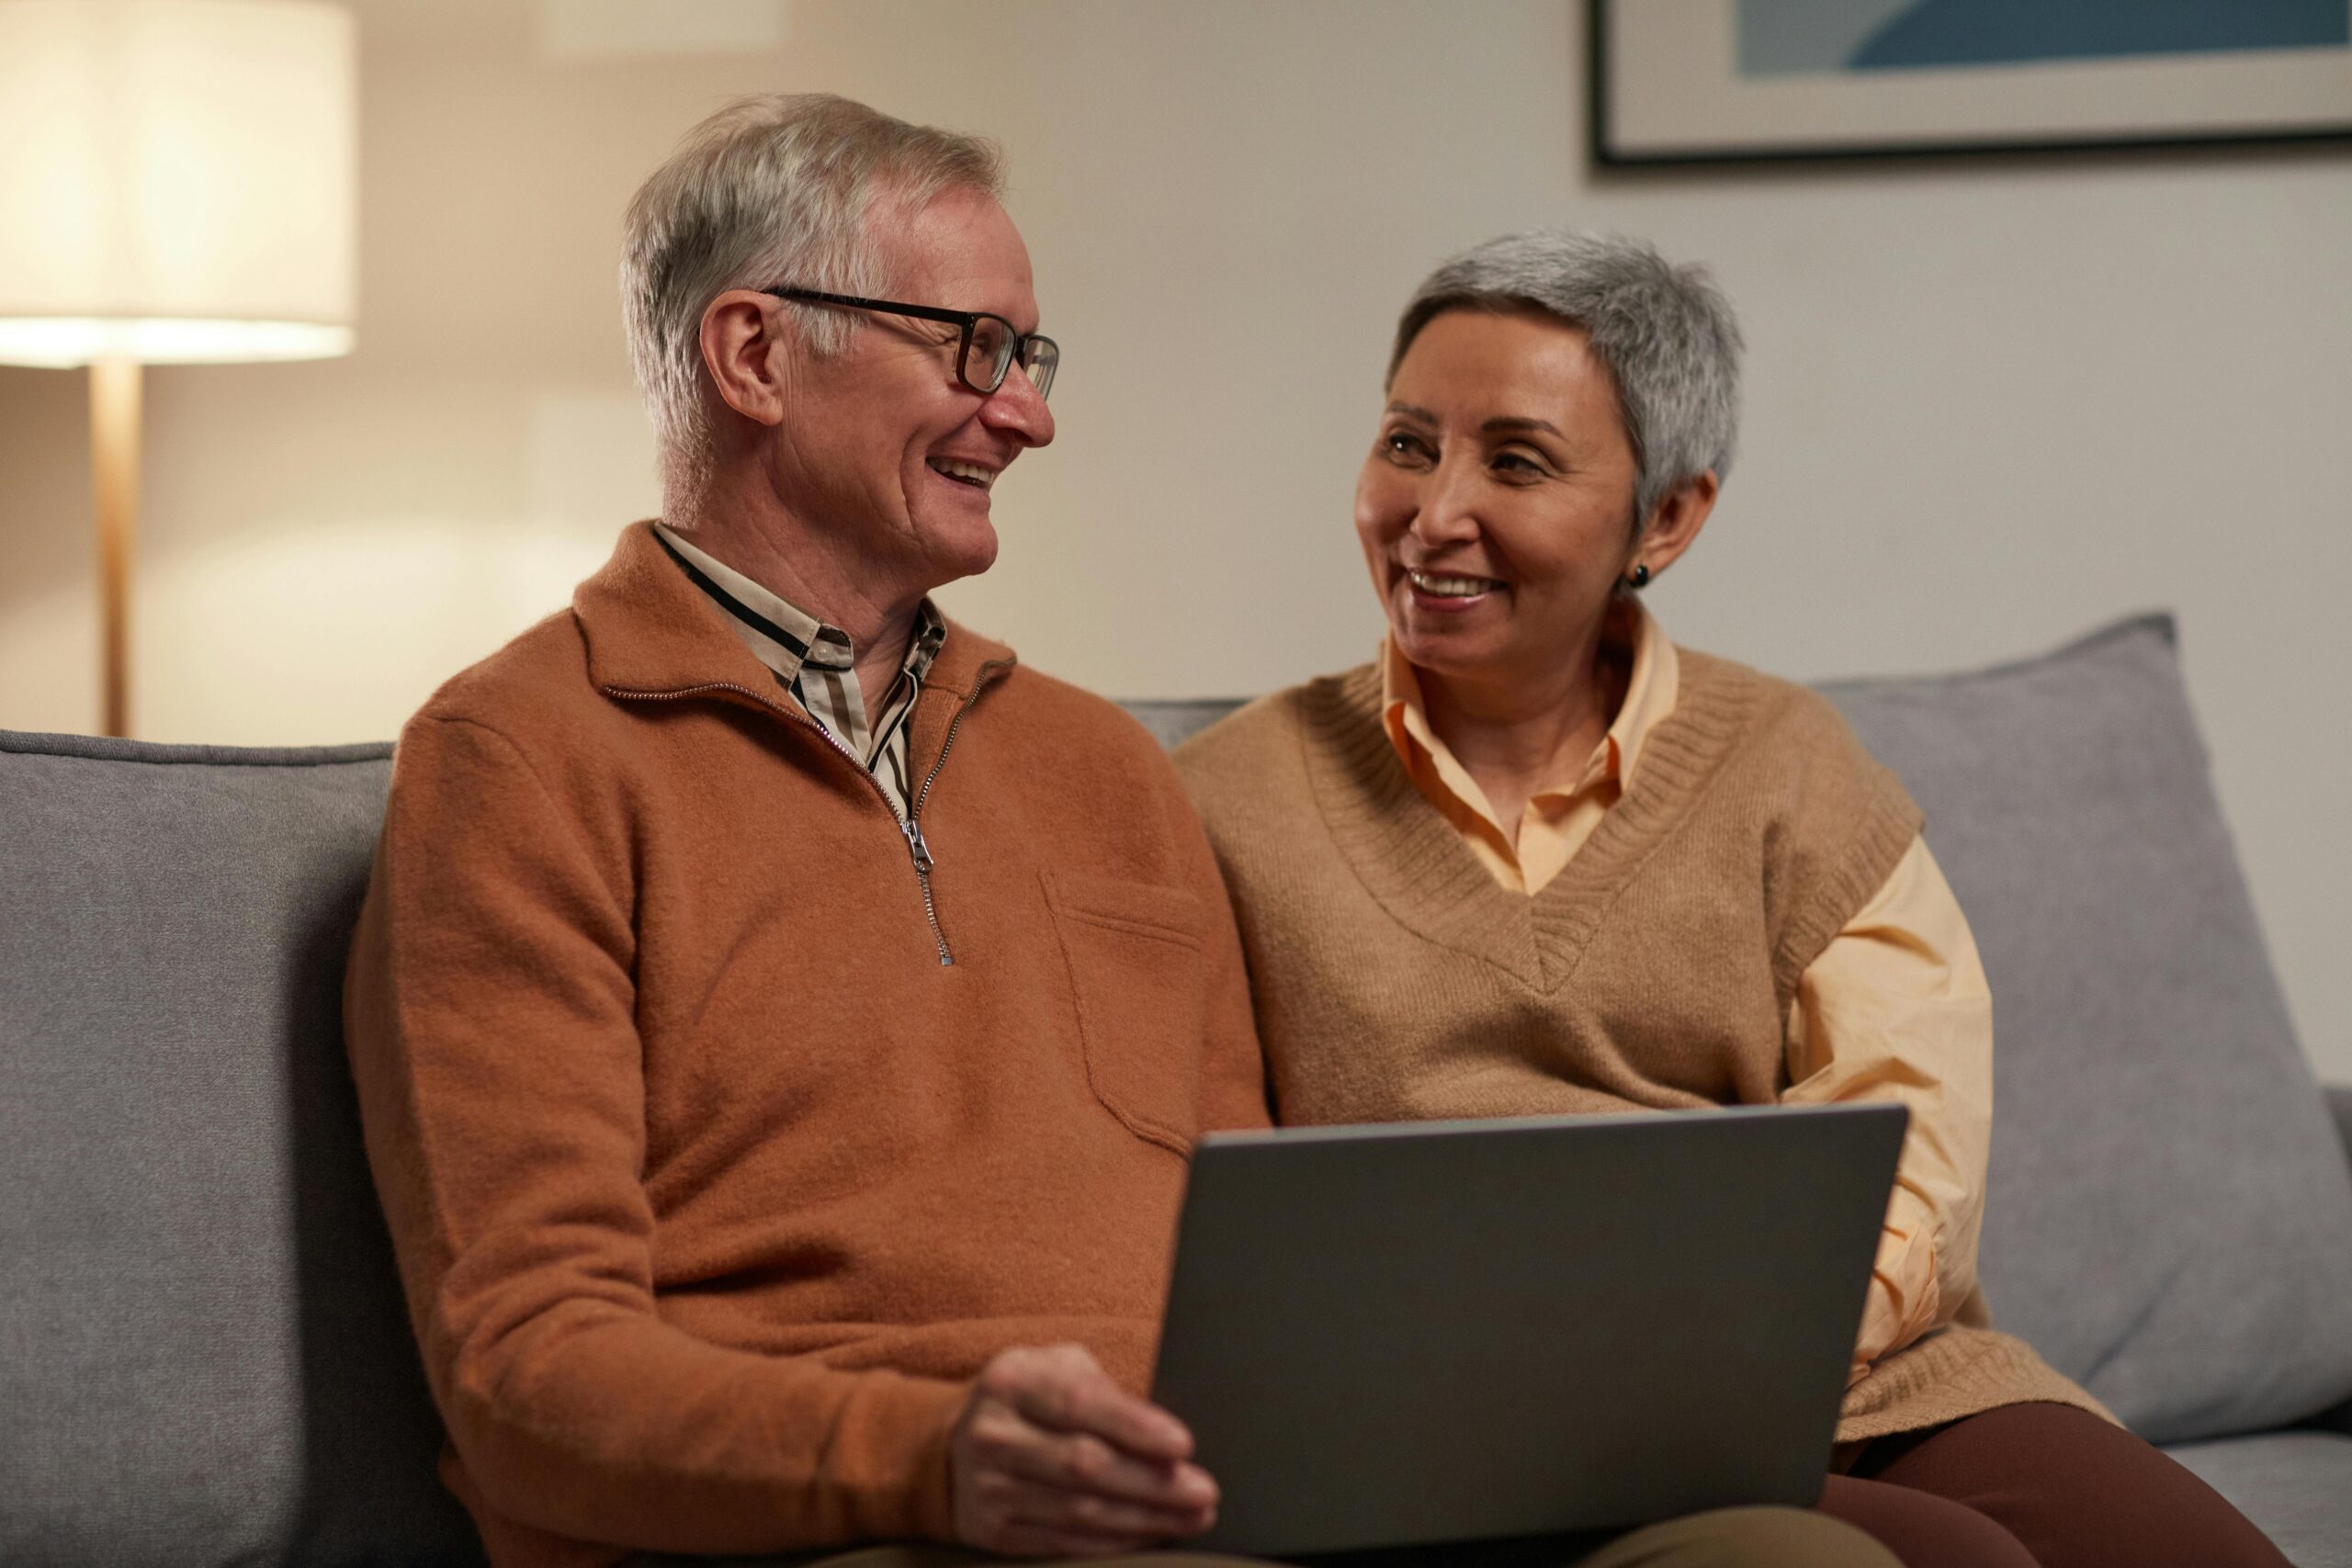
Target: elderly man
{"x":781,"y":1019}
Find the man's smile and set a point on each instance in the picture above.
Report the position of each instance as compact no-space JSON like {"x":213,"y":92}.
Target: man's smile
{"x":976,"y":475}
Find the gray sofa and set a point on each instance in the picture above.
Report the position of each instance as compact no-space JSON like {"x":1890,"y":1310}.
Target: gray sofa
{"x":203,"y":1357}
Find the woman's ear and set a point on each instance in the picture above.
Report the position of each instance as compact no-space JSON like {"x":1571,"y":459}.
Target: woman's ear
{"x":741,"y":334}
{"x":1674,"y":524}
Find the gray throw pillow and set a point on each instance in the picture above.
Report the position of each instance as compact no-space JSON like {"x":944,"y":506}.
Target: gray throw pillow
{"x":204,"y":1356}
{"x":2170,"y":1219}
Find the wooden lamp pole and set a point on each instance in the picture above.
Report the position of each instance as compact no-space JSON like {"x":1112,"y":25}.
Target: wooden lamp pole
{"x":114,"y":482}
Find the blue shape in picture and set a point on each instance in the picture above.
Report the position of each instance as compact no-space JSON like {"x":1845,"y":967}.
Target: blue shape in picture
{"x":1783,"y":38}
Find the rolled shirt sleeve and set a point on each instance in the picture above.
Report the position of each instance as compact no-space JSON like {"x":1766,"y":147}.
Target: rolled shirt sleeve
{"x":1896,"y":1010}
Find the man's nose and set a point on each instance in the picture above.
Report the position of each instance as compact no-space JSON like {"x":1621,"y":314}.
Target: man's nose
{"x":1016,"y":409}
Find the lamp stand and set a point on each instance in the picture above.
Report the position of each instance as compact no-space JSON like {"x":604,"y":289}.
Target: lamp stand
{"x":114,"y":485}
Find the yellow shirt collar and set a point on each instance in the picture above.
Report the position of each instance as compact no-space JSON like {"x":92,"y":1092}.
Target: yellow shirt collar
{"x":1553,"y":815}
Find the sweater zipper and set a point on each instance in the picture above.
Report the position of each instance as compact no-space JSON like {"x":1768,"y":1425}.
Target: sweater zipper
{"x":909,"y":828}
{"x":911,"y":825}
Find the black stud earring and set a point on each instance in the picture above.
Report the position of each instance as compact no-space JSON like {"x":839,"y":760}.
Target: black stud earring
{"x":1640,"y":577}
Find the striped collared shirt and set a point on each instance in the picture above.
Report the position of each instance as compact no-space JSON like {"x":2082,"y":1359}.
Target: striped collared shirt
{"x":817,"y":664}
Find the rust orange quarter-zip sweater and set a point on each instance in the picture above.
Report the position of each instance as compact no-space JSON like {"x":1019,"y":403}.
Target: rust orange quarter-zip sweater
{"x":722,"y":1144}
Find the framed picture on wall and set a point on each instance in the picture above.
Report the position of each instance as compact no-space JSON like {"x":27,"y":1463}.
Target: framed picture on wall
{"x":1701,"y":81}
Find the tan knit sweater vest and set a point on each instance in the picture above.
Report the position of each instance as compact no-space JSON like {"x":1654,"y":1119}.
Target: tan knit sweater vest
{"x":1395,"y":980}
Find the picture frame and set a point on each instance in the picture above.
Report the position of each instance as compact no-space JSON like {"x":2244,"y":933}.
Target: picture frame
{"x":1727,"y":81}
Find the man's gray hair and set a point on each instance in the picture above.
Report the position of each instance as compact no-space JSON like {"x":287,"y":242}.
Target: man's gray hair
{"x":1666,"y":332}
{"x":773,"y":189}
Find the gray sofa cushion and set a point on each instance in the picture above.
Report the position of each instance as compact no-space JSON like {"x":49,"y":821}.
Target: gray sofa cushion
{"x":1170,"y":720}
{"x":2170,"y":1208}
{"x":2296,"y":1485}
{"x":203,"y":1356}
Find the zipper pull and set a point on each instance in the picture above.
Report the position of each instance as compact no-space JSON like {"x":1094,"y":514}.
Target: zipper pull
{"x":915,"y":845}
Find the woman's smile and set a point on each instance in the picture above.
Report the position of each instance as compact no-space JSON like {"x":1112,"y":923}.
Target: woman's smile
{"x":1449,"y":593}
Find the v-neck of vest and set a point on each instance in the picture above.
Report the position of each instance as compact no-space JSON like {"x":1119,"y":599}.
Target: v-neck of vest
{"x":1416,"y":867}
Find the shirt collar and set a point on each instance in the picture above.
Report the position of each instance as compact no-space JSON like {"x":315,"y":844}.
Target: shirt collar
{"x":784,"y":636}
{"x":1650,"y":690}
{"x":650,"y":631}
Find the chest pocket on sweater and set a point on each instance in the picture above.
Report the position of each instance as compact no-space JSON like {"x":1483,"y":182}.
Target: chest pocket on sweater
{"x":1135,"y":971}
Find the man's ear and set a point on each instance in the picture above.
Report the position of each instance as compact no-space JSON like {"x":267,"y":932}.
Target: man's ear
{"x":1674,"y":524}
{"x":743,"y":344}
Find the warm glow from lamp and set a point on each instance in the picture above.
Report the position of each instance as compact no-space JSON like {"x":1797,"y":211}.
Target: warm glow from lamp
{"x":176,"y":180}
{"x":176,"y":184}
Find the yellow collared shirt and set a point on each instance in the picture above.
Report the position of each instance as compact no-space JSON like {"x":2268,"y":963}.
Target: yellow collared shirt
{"x":1559,"y":818}
{"x":1896,"y":1009}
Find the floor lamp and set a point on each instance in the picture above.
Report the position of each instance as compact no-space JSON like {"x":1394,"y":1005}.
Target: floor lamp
{"x":177,"y":183}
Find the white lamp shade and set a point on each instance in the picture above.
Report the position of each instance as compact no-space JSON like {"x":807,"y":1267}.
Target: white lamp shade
{"x":176,"y":180}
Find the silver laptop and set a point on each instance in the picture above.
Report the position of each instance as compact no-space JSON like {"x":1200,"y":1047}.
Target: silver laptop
{"x":1452,"y":1330}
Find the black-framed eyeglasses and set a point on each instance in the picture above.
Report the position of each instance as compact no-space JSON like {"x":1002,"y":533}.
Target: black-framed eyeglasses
{"x":988,"y":348}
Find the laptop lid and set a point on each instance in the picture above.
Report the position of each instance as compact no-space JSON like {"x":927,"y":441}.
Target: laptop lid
{"x":1448,"y":1330}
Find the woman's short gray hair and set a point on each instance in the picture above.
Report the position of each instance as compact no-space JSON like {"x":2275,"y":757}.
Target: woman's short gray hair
{"x":1666,"y":332}
{"x":772,"y":190}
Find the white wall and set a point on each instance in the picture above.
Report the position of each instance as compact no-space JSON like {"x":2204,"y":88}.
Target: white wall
{"x":1991,"y":403}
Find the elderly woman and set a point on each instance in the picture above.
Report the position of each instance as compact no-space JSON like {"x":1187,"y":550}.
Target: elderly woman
{"x":1536,"y":858}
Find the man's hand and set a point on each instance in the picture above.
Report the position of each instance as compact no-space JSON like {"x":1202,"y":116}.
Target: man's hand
{"x":1052,"y":1458}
